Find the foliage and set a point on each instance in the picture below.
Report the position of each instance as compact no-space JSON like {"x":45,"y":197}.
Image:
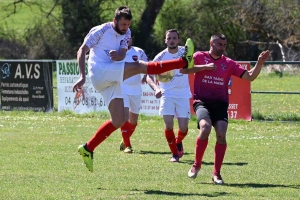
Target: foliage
{"x":47,"y":41}
{"x":10,"y":46}
{"x":273,"y":22}
{"x":250,"y":26}
{"x":78,"y":17}
{"x":199,"y":20}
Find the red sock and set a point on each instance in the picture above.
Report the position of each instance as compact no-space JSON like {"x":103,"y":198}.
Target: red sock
{"x":101,"y":134}
{"x":164,"y":66}
{"x":125,"y":134}
{"x":180,"y":136}
{"x":199,"y":152}
{"x":131,"y":128}
{"x":170,"y":136}
{"x":220,"y":150}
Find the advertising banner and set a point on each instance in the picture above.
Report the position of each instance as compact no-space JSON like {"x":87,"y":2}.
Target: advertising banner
{"x":26,"y":85}
{"x":68,"y":74}
{"x":239,"y":91}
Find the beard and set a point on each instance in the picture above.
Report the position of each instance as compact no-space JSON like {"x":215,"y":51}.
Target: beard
{"x":121,"y":32}
{"x":219,"y":53}
{"x":173,"y":47}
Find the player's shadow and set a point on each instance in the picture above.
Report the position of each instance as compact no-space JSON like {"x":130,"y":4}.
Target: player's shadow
{"x":190,"y":162}
{"x":157,"y":152}
{"x":177,"y":194}
{"x":257,"y":185}
{"x":180,"y":194}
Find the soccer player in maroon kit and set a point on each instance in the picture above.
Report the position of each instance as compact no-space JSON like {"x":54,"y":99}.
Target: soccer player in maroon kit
{"x":211,"y":100}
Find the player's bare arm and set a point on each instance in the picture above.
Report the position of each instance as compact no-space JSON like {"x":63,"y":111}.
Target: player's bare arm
{"x":198,"y":68}
{"x":254,"y":72}
{"x":81,"y":62}
{"x":117,"y":55}
{"x":150,"y":81}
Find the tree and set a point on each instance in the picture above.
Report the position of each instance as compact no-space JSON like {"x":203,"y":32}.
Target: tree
{"x":273,"y":23}
{"x":146,"y":23}
{"x":78,"y":17}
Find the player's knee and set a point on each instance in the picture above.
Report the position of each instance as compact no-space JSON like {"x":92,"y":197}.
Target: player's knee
{"x":221,"y":138}
{"x":118,"y":122}
{"x":205,"y":127}
{"x":183,"y":129}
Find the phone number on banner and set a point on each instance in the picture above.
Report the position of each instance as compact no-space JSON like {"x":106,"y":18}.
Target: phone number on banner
{"x":87,"y":101}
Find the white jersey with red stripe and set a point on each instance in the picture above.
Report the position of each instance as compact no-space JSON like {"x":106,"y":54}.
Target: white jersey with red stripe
{"x":132,"y":85}
{"x":102,"y":39}
{"x":178,"y":86}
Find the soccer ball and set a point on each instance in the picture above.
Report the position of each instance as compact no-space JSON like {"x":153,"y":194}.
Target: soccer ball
{"x":165,"y":77}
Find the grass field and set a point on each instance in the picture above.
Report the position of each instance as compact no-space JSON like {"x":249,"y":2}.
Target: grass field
{"x":39,"y":158}
{"x":285,"y":107}
{"x":18,"y":17}
{"x":39,"y":161}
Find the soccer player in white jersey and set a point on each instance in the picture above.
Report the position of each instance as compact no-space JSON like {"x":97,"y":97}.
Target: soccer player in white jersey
{"x":132,"y":91}
{"x":107,"y":44}
{"x":175,"y":97}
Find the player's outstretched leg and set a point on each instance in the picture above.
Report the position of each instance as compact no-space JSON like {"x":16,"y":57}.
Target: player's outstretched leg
{"x":188,"y":53}
{"x":186,"y":61}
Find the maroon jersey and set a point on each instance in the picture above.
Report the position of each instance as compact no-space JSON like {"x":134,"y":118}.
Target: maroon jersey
{"x":212,"y":86}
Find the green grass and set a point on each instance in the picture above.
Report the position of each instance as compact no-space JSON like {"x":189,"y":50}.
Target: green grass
{"x":39,"y":158}
{"x":284,"y":107}
{"x":26,"y":14}
{"x":39,"y":161}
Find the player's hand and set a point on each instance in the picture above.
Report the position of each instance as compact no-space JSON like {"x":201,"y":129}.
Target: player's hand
{"x":158,"y":93}
{"x":113,"y":54}
{"x":211,"y":66}
{"x":263,"y":56}
{"x":144,"y":79}
{"x":78,"y":85}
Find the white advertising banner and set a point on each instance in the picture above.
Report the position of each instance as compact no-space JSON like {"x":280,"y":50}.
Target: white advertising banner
{"x":149,"y":103}
{"x":68,"y":74}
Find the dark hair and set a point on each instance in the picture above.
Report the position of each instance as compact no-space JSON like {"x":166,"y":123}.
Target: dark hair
{"x":218,"y":36}
{"x":172,"y":31}
{"x":123,"y":11}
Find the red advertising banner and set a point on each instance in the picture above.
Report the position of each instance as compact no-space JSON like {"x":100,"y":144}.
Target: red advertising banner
{"x":239,"y":91}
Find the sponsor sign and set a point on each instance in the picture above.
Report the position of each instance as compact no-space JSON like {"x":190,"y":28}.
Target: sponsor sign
{"x":26,"y":85}
{"x":68,"y":74}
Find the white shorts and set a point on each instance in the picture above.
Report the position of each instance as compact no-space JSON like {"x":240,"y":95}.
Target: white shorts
{"x":107,"y":78}
{"x":179,"y":107}
{"x":133,"y":102}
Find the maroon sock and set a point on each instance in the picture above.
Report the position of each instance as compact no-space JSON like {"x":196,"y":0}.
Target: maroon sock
{"x":199,"y":152}
{"x":220,"y":150}
{"x":170,"y":136}
{"x":164,"y":66}
{"x":101,"y":134}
